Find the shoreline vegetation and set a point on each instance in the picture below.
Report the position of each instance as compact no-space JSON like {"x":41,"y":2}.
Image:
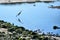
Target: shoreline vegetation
{"x":9,"y":31}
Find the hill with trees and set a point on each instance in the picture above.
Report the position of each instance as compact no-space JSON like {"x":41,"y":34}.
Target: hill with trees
{"x":10,"y":31}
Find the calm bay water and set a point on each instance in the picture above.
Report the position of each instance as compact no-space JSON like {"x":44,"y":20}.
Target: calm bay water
{"x":33,"y":17}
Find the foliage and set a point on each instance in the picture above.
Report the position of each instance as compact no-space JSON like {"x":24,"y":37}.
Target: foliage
{"x":15,"y":32}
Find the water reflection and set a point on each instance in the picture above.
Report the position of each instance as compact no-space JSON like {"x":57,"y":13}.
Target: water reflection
{"x":33,"y":17}
{"x":18,"y":13}
{"x":58,"y":7}
{"x":48,"y":1}
{"x":56,"y":27}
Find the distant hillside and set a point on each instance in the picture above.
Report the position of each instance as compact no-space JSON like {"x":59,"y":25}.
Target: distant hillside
{"x":9,"y":31}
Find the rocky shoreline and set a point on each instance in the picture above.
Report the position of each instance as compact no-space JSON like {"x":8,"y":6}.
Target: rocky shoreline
{"x":22,"y":1}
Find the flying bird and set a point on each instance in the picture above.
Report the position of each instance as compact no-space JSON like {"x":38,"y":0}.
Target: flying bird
{"x":18,"y":13}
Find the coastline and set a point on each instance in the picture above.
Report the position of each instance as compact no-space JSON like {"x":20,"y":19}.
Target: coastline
{"x":15,"y":2}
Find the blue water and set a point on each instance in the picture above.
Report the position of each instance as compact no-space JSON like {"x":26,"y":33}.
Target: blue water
{"x":33,"y":17}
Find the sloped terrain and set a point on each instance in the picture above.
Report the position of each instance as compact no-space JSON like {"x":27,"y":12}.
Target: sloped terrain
{"x":10,"y":31}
